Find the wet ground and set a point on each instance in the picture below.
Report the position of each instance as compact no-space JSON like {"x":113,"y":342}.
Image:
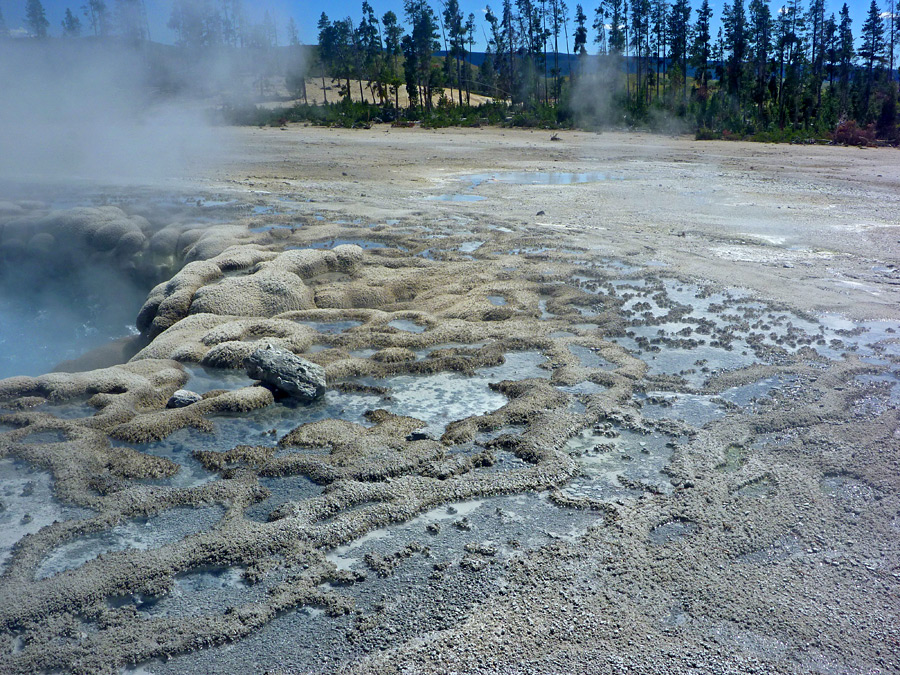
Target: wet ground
{"x":593,"y":406}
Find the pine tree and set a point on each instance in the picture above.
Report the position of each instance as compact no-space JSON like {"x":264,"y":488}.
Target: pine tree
{"x":393,"y":34}
{"x":453,"y":20}
{"x":467,"y":66}
{"x":845,"y":58}
{"x":735,"y":43}
{"x":640,"y":41}
{"x":269,"y":30}
{"x":601,"y":16}
{"x":871,"y":51}
{"x":581,"y":34}
{"x":556,"y":15}
{"x":789,"y":30}
{"x":370,"y":49}
{"x":327,"y":51}
{"x":419,"y":47}
{"x":509,"y":38}
{"x":295,"y":75}
{"x":71,"y":24}
{"x":700,"y":48}
{"x":719,"y":51}
{"x":830,"y":43}
{"x":131,"y":20}
{"x":410,"y":70}
{"x":533,"y":40}
{"x":760,"y":44}
{"x":872,"y":48}
{"x":661,"y":38}
{"x":343,"y":60}
{"x":679,"y":31}
{"x":495,"y":47}
{"x":487,"y":75}
{"x":816,"y":40}
{"x":98,"y":16}
{"x":36,"y":18}
{"x":190,"y":24}
{"x":892,"y":33}
{"x":614,"y":12}
{"x":815,"y":21}
{"x":234,"y":23}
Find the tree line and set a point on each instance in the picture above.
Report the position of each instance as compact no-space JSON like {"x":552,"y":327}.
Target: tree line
{"x":794,"y":68}
{"x":217,"y":49}
{"x":126,"y":19}
{"x":195,"y":23}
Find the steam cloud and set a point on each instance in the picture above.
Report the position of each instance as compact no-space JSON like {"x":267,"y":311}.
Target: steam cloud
{"x":95,"y":111}
{"x":80,"y":118}
{"x":594,"y":90}
{"x":598,"y":98}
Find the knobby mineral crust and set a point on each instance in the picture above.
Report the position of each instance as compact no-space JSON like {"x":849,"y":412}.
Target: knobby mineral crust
{"x":763,"y":541}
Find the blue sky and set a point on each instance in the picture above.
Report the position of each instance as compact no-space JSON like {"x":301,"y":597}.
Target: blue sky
{"x":306,"y":13}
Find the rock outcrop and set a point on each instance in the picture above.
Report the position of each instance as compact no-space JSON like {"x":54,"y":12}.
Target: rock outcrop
{"x":183,"y":398}
{"x":287,"y":372}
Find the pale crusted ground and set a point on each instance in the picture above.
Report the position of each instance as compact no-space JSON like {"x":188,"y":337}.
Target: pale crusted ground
{"x":815,"y":218}
{"x":771,"y":545}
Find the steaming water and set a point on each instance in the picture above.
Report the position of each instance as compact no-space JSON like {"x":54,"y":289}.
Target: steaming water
{"x":331,"y":327}
{"x":27,"y":504}
{"x":472,"y":539}
{"x":406,"y":325}
{"x":283,"y":489}
{"x":477,"y":180}
{"x":201,"y":591}
{"x":141,"y":534}
{"x":616,"y":460}
{"x":456,"y":197}
{"x":589,"y":358}
{"x":207,"y":379}
{"x":470,"y":246}
{"x":538,"y":178}
{"x":436,"y":399}
{"x":41,"y":328}
{"x":366,"y":244}
{"x":52,"y":312}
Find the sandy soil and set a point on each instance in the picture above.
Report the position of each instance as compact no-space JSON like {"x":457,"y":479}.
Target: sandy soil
{"x":317,"y":93}
{"x":758,"y":536}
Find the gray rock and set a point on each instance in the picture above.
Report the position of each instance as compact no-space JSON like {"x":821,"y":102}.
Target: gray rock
{"x":287,"y":372}
{"x":183,"y":398}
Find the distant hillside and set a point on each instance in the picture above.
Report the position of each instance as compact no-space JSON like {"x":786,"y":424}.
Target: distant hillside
{"x":567,"y":62}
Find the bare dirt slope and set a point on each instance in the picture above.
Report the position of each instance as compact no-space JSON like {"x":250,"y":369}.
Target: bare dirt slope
{"x":318,"y":92}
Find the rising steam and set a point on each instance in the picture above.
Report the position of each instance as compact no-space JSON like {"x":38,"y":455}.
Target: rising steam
{"x":95,"y":111}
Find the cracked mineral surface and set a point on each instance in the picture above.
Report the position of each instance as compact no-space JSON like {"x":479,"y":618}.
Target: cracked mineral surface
{"x":653,"y":428}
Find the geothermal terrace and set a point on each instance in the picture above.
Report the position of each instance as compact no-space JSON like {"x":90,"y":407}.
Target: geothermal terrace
{"x":608,"y":404}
